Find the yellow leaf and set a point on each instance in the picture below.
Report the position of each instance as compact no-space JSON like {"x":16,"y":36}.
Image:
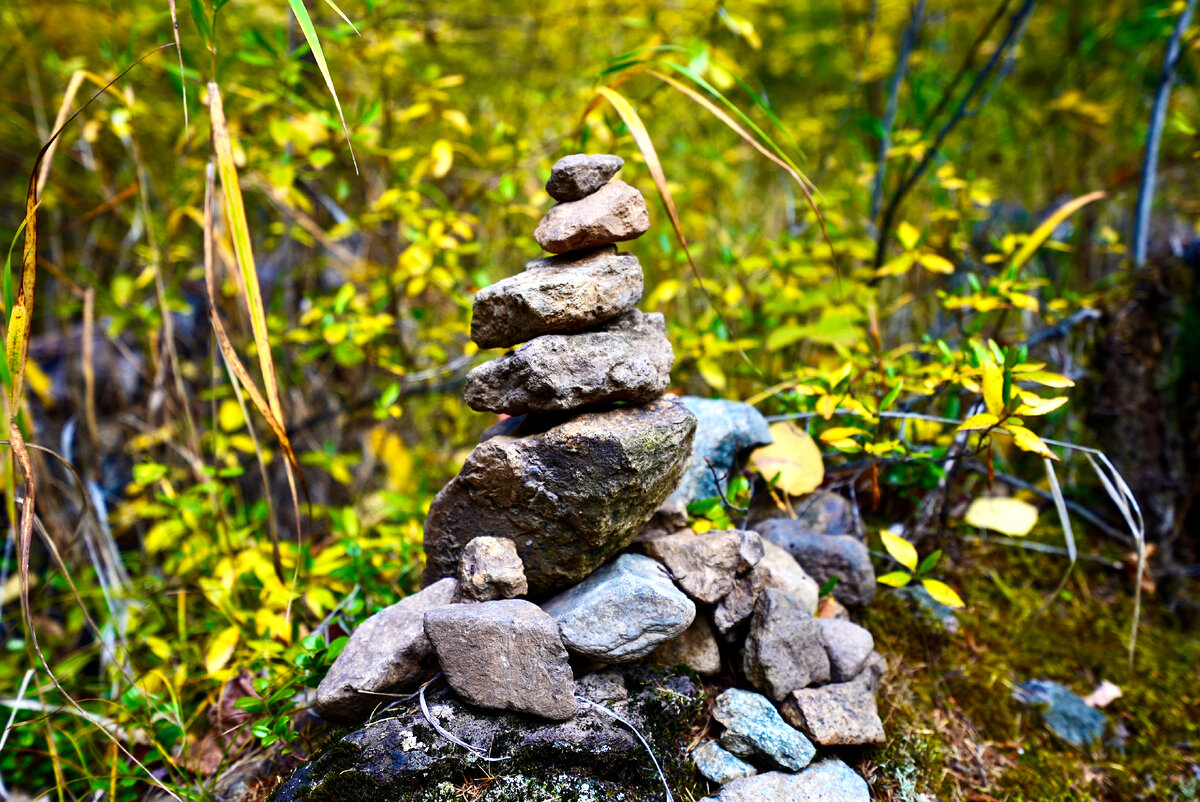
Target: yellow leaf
{"x":840,"y":433}
{"x":936,"y":264}
{"x":993,"y":388}
{"x":1046,"y":378}
{"x":1043,"y":232}
{"x":895,"y":579}
{"x":1034,"y":405}
{"x":794,"y":457}
{"x":711,"y":372}
{"x":1009,"y":516}
{"x":941,"y":592}
{"x":1028,"y":441}
{"x":908,"y":235}
{"x":229,"y":416}
{"x":443,"y":157}
{"x":221,"y":649}
{"x":901,"y":550}
{"x":984,"y":420}
{"x":826,"y":406}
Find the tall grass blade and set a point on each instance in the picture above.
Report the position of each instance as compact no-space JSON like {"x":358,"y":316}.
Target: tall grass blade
{"x":179,"y":52}
{"x":1043,"y":232}
{"x":314,"y":43}
{"x":1060,"y":504}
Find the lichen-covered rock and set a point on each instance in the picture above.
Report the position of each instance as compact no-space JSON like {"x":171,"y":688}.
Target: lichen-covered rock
{"x":401,"y":758}
{"x":504,"y":655}
{"x":696,"y":648}
{"x":614,"y":213}
{"x":848,"y":646}
{"x":555,"y":295}
{"x":580,"y":174}
{"x":720,"y":765}
{"x":784,"y":649}
{"x":826,"y":556}
{"x":386,"y":653}
{"x":490,"y":568}
{"x":570,"y":494}
{"x":622,"y":612}
{"x":828,"y":781}
{"x":725,"y":432}
{"x":626,"y":359}
{"x":754,"y":729}
{"x":841,"y":714}
{"x":705,"y":566}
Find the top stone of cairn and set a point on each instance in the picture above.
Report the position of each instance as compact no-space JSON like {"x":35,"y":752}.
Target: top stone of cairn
{"x":579,"y":175}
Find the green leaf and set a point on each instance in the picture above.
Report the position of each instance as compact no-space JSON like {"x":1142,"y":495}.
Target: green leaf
{"x":314,"y":44}
{"x":930,"y":560}
{"x":828,"y":585}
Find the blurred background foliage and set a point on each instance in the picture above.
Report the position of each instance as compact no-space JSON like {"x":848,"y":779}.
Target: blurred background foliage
{"x":186,"y":583}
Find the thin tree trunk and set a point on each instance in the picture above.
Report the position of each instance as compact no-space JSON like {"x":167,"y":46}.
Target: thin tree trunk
{"x":907,"y":45}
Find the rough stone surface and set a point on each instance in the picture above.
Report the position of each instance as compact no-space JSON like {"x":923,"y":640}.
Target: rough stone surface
{"x":1065,"y":713}
{"x":848,"y":646}
{"x":824,"y":512}
{"x":754,"y":728}
{"x":825,"y":556}
{"x":622,"y":611}
{"x":777,"y":569}
{"x":570,"y":495}
{"x":580,"y":174}
{"x":504,"y":655}
{"x":719,"y":765}
{"x":725,"y":431}
{"x":386,"y":653}
{"x":401,"y":758}
{"x":626,"y":359}
{"x":696,"y":648}
{"x":842,"y":714}
{"x":706,"y":565}
{"x":614,"y":213}
{"x":491,"y":569}
{"x":560,"y":294}
{"x":784,"y":650}
{"x":827,"y":781}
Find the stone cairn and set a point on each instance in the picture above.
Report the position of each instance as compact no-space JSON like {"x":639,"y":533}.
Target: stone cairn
{"x":552,"y":553}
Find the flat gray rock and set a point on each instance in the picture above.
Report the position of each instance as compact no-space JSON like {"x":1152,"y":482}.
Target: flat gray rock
{"x":842,"y":714}
{"x":784,"y":650}
{"x":696,"y":648}
{"x":754,"y":728}
{"x":777,"y":569}
{"x":386,"y":653}
{"x":725,"y":432}
{"x":555,"y":295}
{"x":705,"y":566}
{"x":490,"y":568}
{"x":504,"y":655}
{"x":570,"y":494}
{"x":719,"y":765}
{"x":580,"y":174}
{"x":622,"y":612}
{"x":828,"y":781}
{"x":826,"y":556}
{"x":626,"y":359}
{"x":848,"y":646}
{"x":614,"y":213}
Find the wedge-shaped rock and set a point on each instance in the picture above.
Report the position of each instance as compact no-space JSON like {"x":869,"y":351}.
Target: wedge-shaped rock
{"x":504,"y":655}
{"x":622,"y":612}
{"x":719,"y":765}
{"x":842,"y":714}
{"x":627,"y":359}
{"x":559,"y":294}
{"x":386,"y":653}
{"x":614,"y":213}
{"x":848,"y":646}
{"x":706,"y":565}
{"x":570,"y":494}
{"x":580,"y":174}
{"x":784,"y":650}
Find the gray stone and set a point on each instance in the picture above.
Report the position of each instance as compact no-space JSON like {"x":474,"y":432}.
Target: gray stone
{"x":828,"y":781}
{"x":784,"y":649}
{"x":1065,"y":713}
{"x":696,"y":648}
{"x":842,"y":714}
{"x":823,"y":512}
{"x":775,"y":570}
{"x":569,"y":495}
{"x":848,"y":646}
{"x":622,"y":611}
{"x":504,"y":655}
{"x":614,"y":213}
{"x":706,"y":565}
{"x":626,"y":359}
{"x":386,"y":653}
{"x":491,"y":569}
{"x":719,"y":765}
{"x":669,"y":518}
{"x":555,"y":295}
{"x":826,"y":556}
{"x":754,"y":728}
{"x":580,"y":174}
{"x":594,"y":756}
{"x":725,"y":432}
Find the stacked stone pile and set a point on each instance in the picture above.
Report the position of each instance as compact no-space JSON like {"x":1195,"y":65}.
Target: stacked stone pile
{"x":551,"y":556}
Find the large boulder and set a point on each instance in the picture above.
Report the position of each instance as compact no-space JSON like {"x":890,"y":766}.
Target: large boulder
{"x":826,"y":556}
{"x":725,"y":432}
{"x":570,"y":495}
{"x":580,"y":174}
{"x":622,"y":612}
{"x":386,"y":653}
{"x":504,"y":655}
{"x":559,"y":294}
{"x":626,"y":359}
{"x":616,"y":212}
